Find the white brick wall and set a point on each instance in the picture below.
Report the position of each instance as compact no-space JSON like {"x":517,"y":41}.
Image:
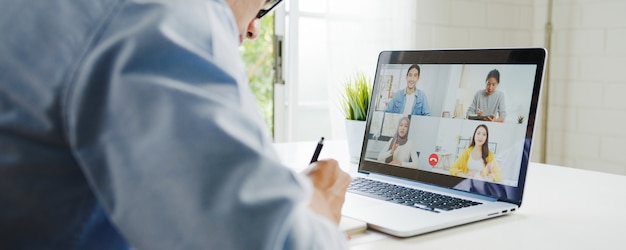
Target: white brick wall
{"x":473,"y":23}
{"x":587,"y":106}
{"x":587,"y":96}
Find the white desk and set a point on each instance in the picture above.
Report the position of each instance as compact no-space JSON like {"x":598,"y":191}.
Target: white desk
{"x":563,"y":208}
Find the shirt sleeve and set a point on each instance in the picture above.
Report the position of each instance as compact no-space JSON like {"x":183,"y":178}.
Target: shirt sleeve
{"x":414,"y":159}
{"x":426,"y":107}
{"x":385,"y":151}
{"x":392,"y":105}
{"x":162,"y":122}
{"x":472,"y":108}
{"x":502,"y":106}
{"x":460,"y":165}
{"x":495,"y":172}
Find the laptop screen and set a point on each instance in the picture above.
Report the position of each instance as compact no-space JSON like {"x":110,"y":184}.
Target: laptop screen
{"x":460,"y":119}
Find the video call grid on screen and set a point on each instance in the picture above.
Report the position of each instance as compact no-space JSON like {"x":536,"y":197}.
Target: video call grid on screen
{"x":441,"y":137}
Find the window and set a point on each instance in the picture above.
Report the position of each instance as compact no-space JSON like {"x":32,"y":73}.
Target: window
{"x":325,"y":42}
{"x":258,"y":55}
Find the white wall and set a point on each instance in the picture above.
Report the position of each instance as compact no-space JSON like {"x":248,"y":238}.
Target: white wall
{"x":474,"y":23}
{"x":587,"y":105}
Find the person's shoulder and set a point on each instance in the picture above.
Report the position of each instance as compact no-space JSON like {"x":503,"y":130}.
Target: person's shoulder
{"x":465,"y":153}
{"x":468,"y":150}
{"x":491,"y":155}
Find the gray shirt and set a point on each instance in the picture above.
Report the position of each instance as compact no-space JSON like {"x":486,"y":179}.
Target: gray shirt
{"x":490,"y":104}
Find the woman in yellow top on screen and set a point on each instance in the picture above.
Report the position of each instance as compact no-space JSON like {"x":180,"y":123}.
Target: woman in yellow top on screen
{"x":478,"y":161}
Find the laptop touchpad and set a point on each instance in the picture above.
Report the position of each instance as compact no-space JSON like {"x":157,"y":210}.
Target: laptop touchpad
{"x":358,"y":204}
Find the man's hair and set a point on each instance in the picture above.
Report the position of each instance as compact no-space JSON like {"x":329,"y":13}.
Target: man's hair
{"x":414,"y":66}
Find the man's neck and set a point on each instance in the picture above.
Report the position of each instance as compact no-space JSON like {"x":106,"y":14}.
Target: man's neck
{"x":410,"y":91}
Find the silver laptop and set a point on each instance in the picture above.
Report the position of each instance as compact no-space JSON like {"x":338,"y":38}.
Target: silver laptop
{"x":447,"y":139}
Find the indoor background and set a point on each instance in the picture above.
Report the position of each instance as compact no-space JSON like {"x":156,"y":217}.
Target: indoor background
{"x":327,"y":41}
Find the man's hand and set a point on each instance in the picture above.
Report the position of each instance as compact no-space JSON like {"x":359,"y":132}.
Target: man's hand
{"x":330,"y":184}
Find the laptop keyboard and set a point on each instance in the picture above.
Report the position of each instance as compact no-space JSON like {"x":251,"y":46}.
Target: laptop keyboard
{"x":407,"y":196}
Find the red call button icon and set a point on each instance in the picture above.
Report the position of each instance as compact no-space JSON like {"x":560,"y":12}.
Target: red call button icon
{"x":433,"y":159}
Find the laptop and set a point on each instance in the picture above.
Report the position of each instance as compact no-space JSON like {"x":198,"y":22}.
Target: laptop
{"x":426,"y":166}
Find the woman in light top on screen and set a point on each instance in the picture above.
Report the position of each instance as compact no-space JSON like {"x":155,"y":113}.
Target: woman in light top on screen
{"x":399,"y":150}
{"x":477,"y":161}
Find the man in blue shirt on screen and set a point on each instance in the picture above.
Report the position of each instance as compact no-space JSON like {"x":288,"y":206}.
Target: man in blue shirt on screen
{"x":130,"y":124}
{"x":410,"y":101}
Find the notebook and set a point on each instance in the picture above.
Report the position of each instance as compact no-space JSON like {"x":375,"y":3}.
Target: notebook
{"x":426,"y":166}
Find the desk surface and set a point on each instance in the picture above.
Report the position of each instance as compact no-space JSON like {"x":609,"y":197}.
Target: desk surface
{"x":563,"y":208}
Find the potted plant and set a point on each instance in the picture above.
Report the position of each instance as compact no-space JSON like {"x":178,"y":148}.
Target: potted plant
{"x":355,"y":101}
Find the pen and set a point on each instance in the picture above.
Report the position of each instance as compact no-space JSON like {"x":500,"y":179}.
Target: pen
{"x":318,"y":149}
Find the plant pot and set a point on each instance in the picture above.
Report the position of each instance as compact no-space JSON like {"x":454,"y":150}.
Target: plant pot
{"x":355,"y":131}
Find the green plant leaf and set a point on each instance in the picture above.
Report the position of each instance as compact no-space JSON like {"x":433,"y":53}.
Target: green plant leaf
{"x":356,"y":97}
